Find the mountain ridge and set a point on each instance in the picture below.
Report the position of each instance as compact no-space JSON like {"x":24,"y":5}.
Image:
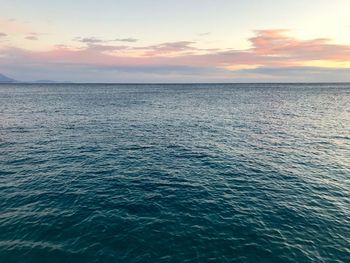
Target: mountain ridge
{"x":5,"y":79}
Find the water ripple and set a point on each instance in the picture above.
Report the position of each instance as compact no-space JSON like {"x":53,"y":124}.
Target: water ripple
{"x":175,"y":173}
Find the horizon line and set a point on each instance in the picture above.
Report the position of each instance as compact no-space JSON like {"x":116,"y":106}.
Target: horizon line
{"x":167,"y":83}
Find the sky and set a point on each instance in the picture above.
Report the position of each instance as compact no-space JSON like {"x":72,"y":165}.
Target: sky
{"x":149,"y":41}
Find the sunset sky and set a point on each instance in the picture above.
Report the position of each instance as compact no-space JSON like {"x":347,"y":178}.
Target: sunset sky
{"x":175,"y":41}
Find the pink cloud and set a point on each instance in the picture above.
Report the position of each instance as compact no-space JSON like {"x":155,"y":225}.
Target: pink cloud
{"x":269,"y":48}
{"x":277,"y":43}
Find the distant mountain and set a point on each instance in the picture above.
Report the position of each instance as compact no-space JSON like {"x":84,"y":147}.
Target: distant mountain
{"x":4,"y":79}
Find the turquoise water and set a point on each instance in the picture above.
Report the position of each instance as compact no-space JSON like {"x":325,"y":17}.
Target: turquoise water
{"x":175,"y":173}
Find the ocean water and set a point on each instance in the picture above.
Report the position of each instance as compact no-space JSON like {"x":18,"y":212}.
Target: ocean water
{"x":175,"y":173}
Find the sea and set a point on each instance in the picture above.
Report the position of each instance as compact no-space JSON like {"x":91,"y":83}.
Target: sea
{"x":175,"y":173}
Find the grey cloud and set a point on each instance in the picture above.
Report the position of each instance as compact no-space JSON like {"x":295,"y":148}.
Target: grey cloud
{"x":89,"y":40}
{"x":163,"y":69}
{"x":31,"y":37}
{"x":299,"y":74}
{"x":130,"y":40}
{"x":91,"y":73}
{"x":102,"y":48}
{"x":94,"y":40}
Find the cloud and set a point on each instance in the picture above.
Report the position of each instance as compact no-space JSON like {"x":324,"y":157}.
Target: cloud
{"x":129,"y":39}
{"x":273,"y":55}
{"x":297,"y":74}
{"x":106,"y":48}
{"x":93,"y":43}
{"x":94,"y":40}
{"x":160,"y":69}
{"x":31,"y":37}
{"x":277,"y":43}
{"x":169,"y":47}
{"x":89,"y":40}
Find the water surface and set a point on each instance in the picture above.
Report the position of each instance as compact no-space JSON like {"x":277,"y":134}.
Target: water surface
{"x":175,"y":173}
